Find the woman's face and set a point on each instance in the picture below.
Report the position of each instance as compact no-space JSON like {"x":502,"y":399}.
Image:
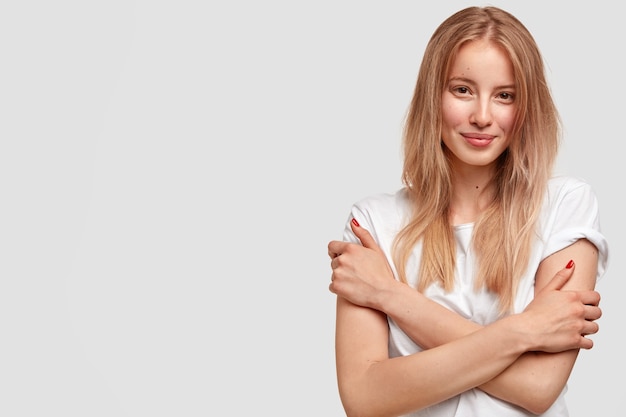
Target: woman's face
{"x":478,"y":105}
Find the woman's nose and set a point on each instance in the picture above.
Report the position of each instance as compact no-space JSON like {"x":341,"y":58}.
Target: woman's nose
{"x":481,"y":114}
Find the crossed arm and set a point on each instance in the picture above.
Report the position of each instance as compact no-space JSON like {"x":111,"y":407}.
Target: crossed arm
{"x":524,"y":358}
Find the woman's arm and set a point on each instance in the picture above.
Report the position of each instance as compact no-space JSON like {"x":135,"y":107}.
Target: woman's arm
{"x":372,"y":384}
{"x":535,"y":379}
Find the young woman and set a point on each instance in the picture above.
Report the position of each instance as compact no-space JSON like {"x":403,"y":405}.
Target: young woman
{"x":470,"y":291}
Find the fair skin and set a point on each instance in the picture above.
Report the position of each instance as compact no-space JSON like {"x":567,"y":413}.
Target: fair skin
{"x":478,"y":112}
{"x":524,"y":358}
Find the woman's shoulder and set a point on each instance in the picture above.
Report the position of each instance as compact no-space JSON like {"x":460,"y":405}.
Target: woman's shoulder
{"x":566,"y":182}
{"x":383,"y":214}
{"x":383,"y":201}
{"x":570,"y":196}
{"x":562,"y":185}
{"x":382,"y":211}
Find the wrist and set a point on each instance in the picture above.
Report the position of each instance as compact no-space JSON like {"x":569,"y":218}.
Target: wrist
{"x":396,"y":299}
{"x":517,"y":325}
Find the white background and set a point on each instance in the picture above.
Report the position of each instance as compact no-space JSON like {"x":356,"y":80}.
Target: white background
{"x":172,"y":171}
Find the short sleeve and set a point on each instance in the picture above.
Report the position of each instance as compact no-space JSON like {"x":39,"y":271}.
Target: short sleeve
{"x":573,"y":214}
{"x":381,"y":214}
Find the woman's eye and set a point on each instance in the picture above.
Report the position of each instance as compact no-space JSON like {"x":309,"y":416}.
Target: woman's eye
{"x":461,"y":90}
{"x":505,"y":96}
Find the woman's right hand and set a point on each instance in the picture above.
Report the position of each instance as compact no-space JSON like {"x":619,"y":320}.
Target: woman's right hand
{"x":560,"y":320}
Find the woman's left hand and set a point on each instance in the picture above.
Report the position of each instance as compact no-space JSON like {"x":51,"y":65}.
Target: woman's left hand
{"x":360,"y":273}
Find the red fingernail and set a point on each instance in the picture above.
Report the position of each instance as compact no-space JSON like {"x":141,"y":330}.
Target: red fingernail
{"x":570,"y":264}
{"x":354,"y":222}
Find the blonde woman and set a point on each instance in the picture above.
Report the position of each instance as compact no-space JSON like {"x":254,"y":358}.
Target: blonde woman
{"x":470,"y":291}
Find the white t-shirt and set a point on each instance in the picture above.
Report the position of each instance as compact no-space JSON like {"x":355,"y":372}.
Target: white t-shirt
{"x":570,"y":213}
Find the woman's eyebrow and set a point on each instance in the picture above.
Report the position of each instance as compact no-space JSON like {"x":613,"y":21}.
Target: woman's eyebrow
{"x":470,"y":81}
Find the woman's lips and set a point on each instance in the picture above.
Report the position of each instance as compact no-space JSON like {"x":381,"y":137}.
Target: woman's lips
{"x":478,"y":140}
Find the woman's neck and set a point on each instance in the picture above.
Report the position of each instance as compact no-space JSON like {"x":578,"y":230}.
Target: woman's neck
{"x":471,"y":195}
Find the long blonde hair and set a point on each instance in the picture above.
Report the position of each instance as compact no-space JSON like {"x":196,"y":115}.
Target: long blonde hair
{"x":505,"y":231}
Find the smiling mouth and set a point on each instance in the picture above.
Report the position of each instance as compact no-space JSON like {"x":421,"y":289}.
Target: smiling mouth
{"x":478,"y":140}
